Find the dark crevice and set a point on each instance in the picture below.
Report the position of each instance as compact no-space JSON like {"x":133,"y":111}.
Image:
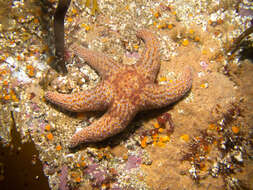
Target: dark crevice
{"x":20,"y":167}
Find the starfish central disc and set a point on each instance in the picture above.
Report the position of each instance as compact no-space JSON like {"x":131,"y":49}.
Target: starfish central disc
{"x":129,"y":84}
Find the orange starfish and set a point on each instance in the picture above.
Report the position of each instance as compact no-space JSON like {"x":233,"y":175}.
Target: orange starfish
{"x":123,"y":91}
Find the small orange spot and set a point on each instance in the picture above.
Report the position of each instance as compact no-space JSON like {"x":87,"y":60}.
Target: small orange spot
{"x":204,"y":51}
{"x":74,"y":11}
{"x":196,"y":39}
{"x":156,"y":125}
{"x":86,"y":27}
{"x":83,"y":164}
{"x":174,"y":12}
{"x":69,"y":19}
{"x":202,"y":166}
{"x":160,"y":130}
{"x":165,"y":139}
{"x":19,"y":58}
{"x":3,"y":72}
{"x":2,"y":58}
{"x":78,"y":179}
{"x":185,"y":42}
{"x":82,"y":158}
{"x":185,"y":137}
{"x":100,"y":156}
{"x":157,"y":14}
{"x":50,"y":136}
{"x":136,"y":46}
{"x":78,"y":165}
{"x":107,"y":156}
{"x":144,"y":142}
{"x":170,"y":26}
{"x":204,"y":85}
{"x":125,"y":156}
{"x":7,"y":97}
{"x":14,"y":98}
{"x":5,"y":83}
{"x":235,"y":129}
{"x":155,"y":137}
{"x":104,"y":186}
{"x":207,"y":148}
{"x":154,"y":23}
{"x":30,"y":70}
{"x":43,"y":99}
{"x":162,"y":79}
{"x":160,"y":144}
{"x":47,"y":127}
{"x":12,"y":92}
{"x":162,"y":25}
{"x":58,"y":147}
{"x":36,"y":21}
{"x":219,"y":21}
{"x":212,"y":127}
{"x":191,"y":31}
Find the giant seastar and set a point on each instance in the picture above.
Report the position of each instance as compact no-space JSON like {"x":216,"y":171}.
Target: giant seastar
{"x":123,"y":91}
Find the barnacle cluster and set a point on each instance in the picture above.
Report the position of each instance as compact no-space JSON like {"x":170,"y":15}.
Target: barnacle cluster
{"x":230,"y":145}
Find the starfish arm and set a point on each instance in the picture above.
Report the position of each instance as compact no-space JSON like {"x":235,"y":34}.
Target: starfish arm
{"x":95,"y":99}
{"x":149,"y":63}
{"x":104,"y":65}
{"x":113,"y":121}
{"x":157,"y":96}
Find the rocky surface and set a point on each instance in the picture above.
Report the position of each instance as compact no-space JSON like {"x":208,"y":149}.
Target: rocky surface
{"x":201,"y":142}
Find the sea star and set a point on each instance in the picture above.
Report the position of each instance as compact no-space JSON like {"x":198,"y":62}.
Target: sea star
{"x":123,"y":91}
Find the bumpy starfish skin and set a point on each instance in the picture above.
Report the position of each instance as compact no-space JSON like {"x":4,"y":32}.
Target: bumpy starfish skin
{"x":123,"y":91}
